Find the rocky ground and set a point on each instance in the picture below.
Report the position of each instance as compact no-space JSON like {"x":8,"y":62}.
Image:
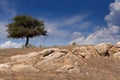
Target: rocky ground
{"x":85,"y":62}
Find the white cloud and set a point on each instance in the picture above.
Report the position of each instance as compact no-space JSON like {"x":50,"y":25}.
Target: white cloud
{"x":113,"y":18}
{"x":9,"y":44}
{"x":57,"y":29}
{"x":54,"y":31}
{"x":74,"y":19}
{"x":76,"y":35}
{"x":60,"y":31}
{"x":110,"y":34}
{"x":105,"y":35}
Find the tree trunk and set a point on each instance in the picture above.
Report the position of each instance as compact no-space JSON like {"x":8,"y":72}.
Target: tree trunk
{"x":27,"y":41}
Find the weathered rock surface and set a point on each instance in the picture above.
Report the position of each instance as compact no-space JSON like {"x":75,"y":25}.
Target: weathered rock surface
{"x":47,"y":52}
{"x":103,"y":48}
{"x":29,"y":58}
{"x":117,"y":45}
{"x":23,"y":68}
{"x":116,"y":55}
{"x":62,"y":60}
{"x":50,"y":61}
{"x":4,"y":67}
{"x":113,"y":50}
{"x":69,"y":69}
{"x":85,"y":52}
{"x":80,"y":62}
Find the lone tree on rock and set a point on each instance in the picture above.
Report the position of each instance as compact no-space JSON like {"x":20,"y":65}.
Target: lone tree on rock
{"x":27,"y":27}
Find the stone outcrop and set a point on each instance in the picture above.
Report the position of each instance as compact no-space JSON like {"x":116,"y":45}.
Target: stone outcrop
{"x":116,"y":55}
{"x":85,"y":52}
{"x":61,"y":60}
{"x":50,"y":61}
{"x":23,"y":68}
{"x":69,"y":69}
{"x":5,"y":67}
{"x":103,"y":48}
{"x":81,"y":52}
{"x":117,"y":45}
{"x":29,"y":58}
{"x":47,"y":52}
{"x":114,"y":49}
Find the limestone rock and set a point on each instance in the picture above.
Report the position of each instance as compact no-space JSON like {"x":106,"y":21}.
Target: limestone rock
{"x":113,"y":50}
{"x":57,"y":59}
{"x":93,"y":51}
{"x":117,"y":45}
{"x":64,"y":51}
{"x":72,"y":59}
{"x":29,"y":58}
{"x":23,"y":68}
{"x":82,"y":52}
{"x":55,"y":55}
{"x":49,"y":62}
{"x":69,"y":69}
{"x":103,"y":48}
{"x":46,"y":52}
{"x":5,"y":67}
{"x":117,"y":55}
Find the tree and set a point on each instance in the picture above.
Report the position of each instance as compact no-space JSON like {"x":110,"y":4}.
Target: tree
{"x":24,"y":26}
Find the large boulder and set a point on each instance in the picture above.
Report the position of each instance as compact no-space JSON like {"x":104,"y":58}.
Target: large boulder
{"x":83,"y":52}
{"x":49,"y":51}
{"x":103,"y":48}
{"x":32,"y":57}
{"x":93,"y":51}
{"x":4,"y":67}
{"x":29,"y":58}
{"x":117,"y":45}
{"x":23,"y":68}
{"x":69,"y":69}
{"x":113,"y":50}
{"x":54,"y":55}
{"x":117,"y":55}
{"x":72,"y":59}
{"x":57,"y":59}
{"x":49,"y":62}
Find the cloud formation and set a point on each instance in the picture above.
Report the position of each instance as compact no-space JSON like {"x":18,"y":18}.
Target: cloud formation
{"x":109,"y":34}
{"x":113,"y":18}
{"x":58,"y":27}
{"x":105,"y":35}
{"x":63,"y":30}
{"x":9,"y":44}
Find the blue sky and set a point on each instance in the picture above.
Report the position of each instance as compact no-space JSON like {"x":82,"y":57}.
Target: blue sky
{"x":67,"y":21}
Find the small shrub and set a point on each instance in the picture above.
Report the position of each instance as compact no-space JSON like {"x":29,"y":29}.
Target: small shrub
{"x":74,"y":43}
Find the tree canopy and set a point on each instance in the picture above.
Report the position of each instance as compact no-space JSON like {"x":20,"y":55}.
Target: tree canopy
{"x":25,"y":26}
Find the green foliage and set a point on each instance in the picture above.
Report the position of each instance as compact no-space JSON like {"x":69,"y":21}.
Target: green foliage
{"x":74,"y":43}
{"x":25,"y":26}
